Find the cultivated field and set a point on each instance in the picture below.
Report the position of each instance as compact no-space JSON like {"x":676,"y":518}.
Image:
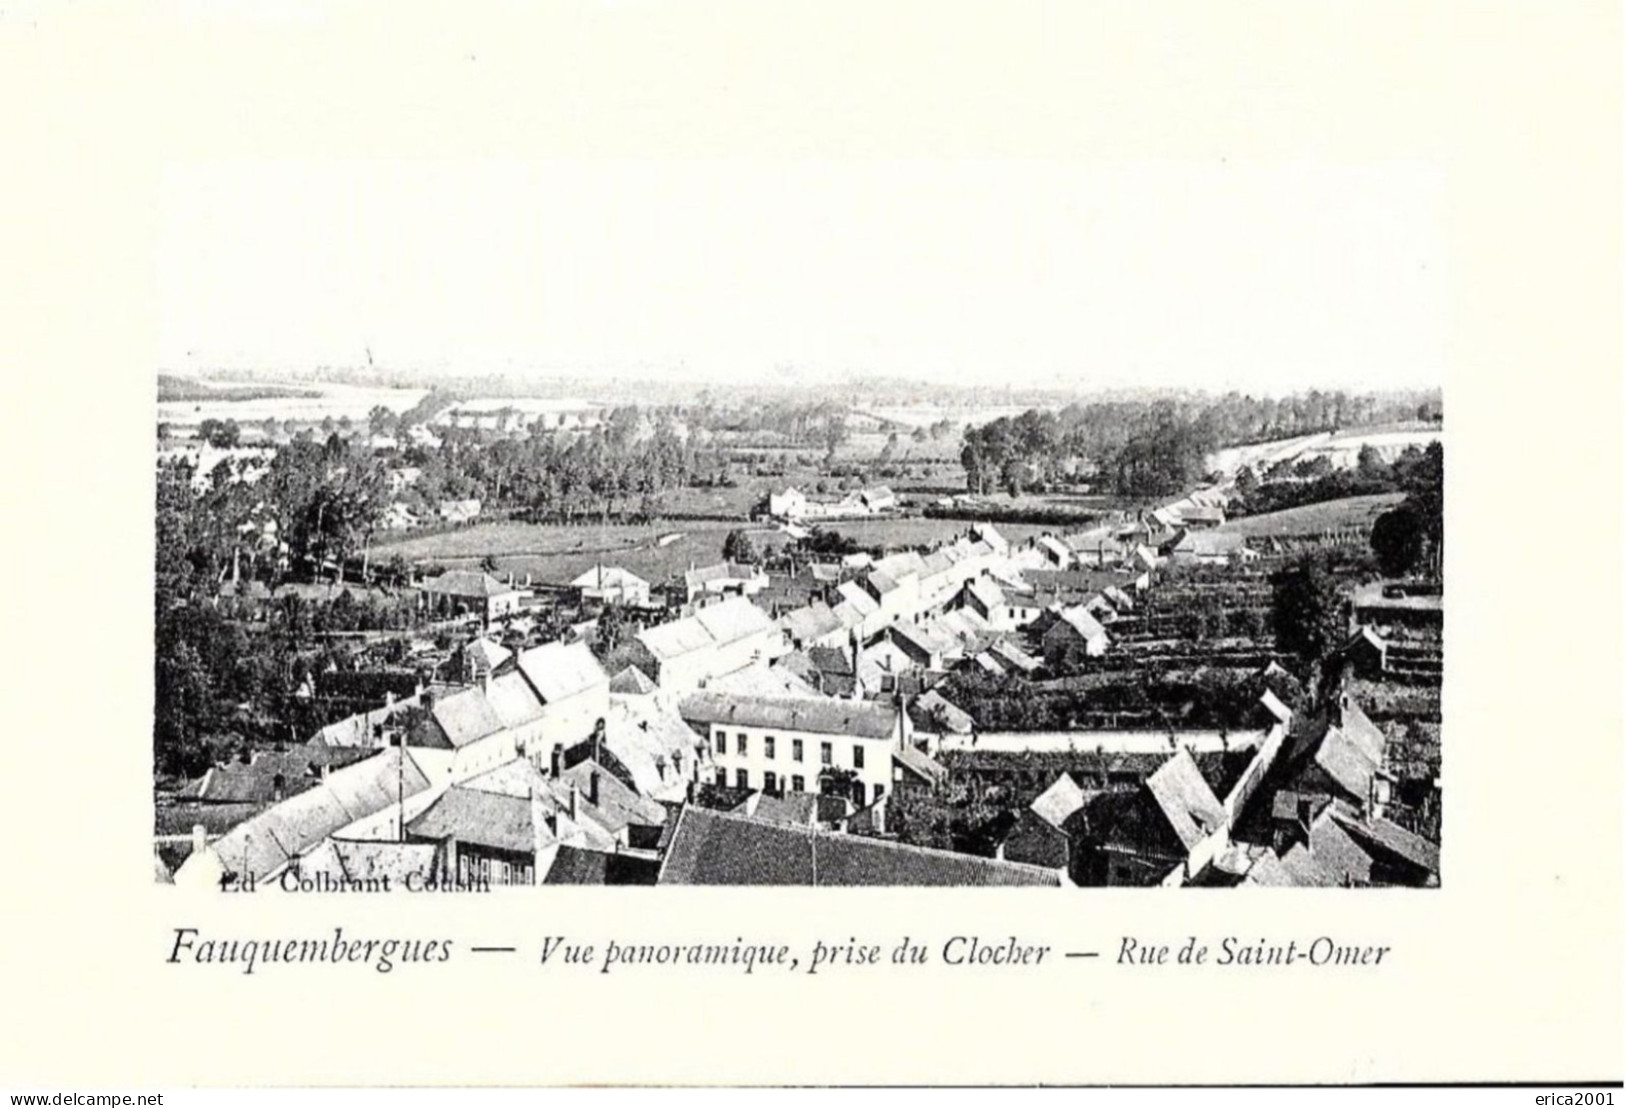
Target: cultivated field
{"x":1353,"y":511}
{"x":1342,"y":448}
{"x":557,"y":554}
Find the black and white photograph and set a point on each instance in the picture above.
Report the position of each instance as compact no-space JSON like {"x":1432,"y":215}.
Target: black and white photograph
{"x":895,"y":525}
{"x":819,"y":549}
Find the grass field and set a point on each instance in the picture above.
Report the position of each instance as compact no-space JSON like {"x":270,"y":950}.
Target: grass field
{"x":1353,"y":511}
{"x":557,"y":554}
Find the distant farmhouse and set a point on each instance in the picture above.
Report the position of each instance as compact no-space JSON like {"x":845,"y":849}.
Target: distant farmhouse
{"x":471,"y":592}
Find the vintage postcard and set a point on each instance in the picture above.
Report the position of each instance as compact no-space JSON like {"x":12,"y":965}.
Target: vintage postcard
{"x":896,"y":542}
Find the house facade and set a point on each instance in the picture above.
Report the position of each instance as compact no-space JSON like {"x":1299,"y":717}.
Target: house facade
{"x":800,"y":745}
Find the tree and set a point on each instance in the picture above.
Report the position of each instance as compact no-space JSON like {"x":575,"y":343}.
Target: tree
{"x":220,"y":433}
{"x":613,"y":627}
{"x":1306,"y":610}
{"x":1398,"y":541}
{"x":737,"y":547}
{"x":1371,"y":467}
{"x":889,"y":451}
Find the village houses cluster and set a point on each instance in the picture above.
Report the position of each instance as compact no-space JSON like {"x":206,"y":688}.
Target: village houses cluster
{"x":765,"y":729}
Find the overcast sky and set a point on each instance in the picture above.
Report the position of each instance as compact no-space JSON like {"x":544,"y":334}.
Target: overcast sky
{"x":1023,"y":272}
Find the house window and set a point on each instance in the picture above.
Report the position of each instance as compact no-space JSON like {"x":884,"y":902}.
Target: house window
{"x":743,"y":744}
{"x":722,"y":742}
{"x":795,"y":750}
{"x":770,"y":782}
{"x":742,"y":779}
{"x":880,"y":791}
{"x":767,"y":745}
{"x":826,"y":753}
{"x":799,"y":784}
{"x":857,"y":755}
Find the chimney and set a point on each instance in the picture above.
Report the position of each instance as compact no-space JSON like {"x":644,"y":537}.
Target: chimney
{"x":200,"y":838}
{"x":558,"y":759}
{"x":575,"y":802}
{"x":592,"y":788}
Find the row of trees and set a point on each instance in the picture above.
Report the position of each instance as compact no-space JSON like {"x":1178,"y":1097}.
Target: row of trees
{"x":1156,"y":447}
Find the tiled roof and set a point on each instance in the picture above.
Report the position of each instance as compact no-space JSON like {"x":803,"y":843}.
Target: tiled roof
{"x":814,"y":621}
{"x":924,"y":639}
{"x":1343,"y":743}
{"x":515,"y":777}
{"x":488,"y":819}
{"x":465,"y":716}
{"x":675,"y":639}
{"x":1079,"y":619}
{"x":632,"y":681}
{"x":830,"y":659}
{"x":722,"y":571}
{"x":1053,"y":545}
{"x":1304,"y":870}
{"x":715,"y":625}
{"x":270,"y":772}
{"x":860,"y":719}
{"x":619,"y":805}
{"x":1058,"y":802}
{"x":882,"y":582}
{"x":797,"y":809}
{"x":369,"y":860}
{"x":990,"y":595}
{"x":761,"y":680}
{"x":920,"y":764}
{"x":609,"y":577}
{"x":575,"y":866}
{"x":560,"y":670}
{"x":468,"y":583}
{"x":853,"y":594}
{"x":1186,"y":801}
{"x":1387,"y":836}
{"x":1337,"y":853}
{"x":1010,"y":652}
{"x":938,"y":711}
{"x":716,"y":848}
{"x":264,"y":844}
{"x":513,"y":700}
{"x":484,"y":653}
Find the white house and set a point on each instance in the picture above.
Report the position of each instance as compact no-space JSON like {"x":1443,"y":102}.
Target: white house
{"x":779,"y":745}
{"x":471,"y":592}
{"x":715,"y":640}
{"x":612,"y":585}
